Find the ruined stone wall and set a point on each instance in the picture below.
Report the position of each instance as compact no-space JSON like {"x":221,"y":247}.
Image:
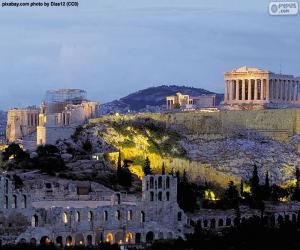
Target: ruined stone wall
{"x":279,"y":124}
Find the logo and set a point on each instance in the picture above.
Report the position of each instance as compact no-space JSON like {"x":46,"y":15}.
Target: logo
{"x":283,"y":8}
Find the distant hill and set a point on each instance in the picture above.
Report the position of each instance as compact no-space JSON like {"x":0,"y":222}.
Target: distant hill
{"x":154,"y":96}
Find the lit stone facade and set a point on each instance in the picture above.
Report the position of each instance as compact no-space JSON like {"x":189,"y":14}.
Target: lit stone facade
{"x":88,"y":221}
{"x":259,"y":87}
{"x":21,"y":122}
{"x":190,"y":102}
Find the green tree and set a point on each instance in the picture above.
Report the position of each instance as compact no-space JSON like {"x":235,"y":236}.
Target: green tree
{"x":296,"y":193}
{"x":163,"y":169}
{"x":231,"y":196}
{"x":147,"y":167}
{"x":14,"y":150}
{"x":124,"y":175}
{"x":47,"y":150}
{"x":242,"y":188}
{"x":266,"y":188}
{"x":255,"y":188}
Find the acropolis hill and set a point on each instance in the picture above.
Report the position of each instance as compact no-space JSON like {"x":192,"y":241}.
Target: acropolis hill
{"x":216,"y":146}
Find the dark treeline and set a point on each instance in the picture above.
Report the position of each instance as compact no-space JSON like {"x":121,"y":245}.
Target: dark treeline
{"x":250,"y":235}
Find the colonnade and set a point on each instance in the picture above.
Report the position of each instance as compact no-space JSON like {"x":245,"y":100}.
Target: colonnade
{"x":262,"y":90}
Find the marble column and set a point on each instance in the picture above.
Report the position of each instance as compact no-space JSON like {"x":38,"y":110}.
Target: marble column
{"x":262,"y":87}
{"x":237,"y":90}
{"x":230,"y":90}
{"x":249,"y":90}
{"x":226,"y":91}
{"x":268,"y":90}
{"x":255,"y":90}
{"x":243,"y":89}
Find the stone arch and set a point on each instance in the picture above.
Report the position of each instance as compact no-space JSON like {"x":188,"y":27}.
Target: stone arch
{"x":138,"y":238}
{"x":79,"y":239}
{"x":15,"y":202}
{"x":287,"y":217}
{"x":143,"y":216}
{"x":205,"y":223}
{"x":59,"y":241}
{"x":159,"y":182}
{"x":168,"y":195}
{"x":22,"y":241}
{"x":170,"y":235}
{"x":151,"y":196}
{"x":294,"y":218}
{"x":228,"y":222}
{"x":65,"y":218}
{"x":128,"y":237}
{"x":105,"y":214}
{"x":33,"y":241}
{"x":160,"y":235}
{"x":77,"y":216}
{"x":160,"y":196}
{"x":90,"y":216}
{"x":220,"y":222}
{"x":179,"y":216}
{"x":150,"y":237}
{"x":109,"y":238}
{"x":24,"y":201}
{"x":118,"y":215}
{"x":98,"y":237}
{"x":280,"y":219}
{"x":69,"y":241}
{"x":89,"y":240}
{"x":119,"y":237}
{"x":118,"y":196}
{"x":151,"y":182}
{"x":168,"y":182}
{"x":6,"y":202}
{"x":212,"y":223}
{"x":35,"y":221}
{"x":45,"y":240}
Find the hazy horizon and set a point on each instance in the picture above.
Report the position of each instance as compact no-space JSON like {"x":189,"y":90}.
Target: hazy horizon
{"x":112,"y":48}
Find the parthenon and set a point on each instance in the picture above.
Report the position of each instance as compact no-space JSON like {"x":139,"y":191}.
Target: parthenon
{"x":260,"y":87}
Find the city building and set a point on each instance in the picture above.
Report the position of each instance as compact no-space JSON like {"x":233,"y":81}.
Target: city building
{"x":186,"y":102}
{"x":260,"y":87}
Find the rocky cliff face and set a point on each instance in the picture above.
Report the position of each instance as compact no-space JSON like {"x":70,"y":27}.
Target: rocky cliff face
{"x":216,"y":160}
{"x":2,"y":123}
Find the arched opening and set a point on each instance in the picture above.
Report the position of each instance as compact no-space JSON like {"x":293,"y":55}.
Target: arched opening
{"x":22,"y":241}
{"x":90,"y":216}
{"x":170,"y":235}
{"x":160,"y":196}
{"x":69,"y":241}
{"x":228,"y":222}
{"x":105,"y":215}
{"x":151,"y":182}
{"x":77,"y":217}
{"x":179,"y":216}
{"x":160,"y":235}
{"x":168,"y":182}
{"x":110,"y":238}
{"x":14,"y":205}
{"x":151,"y":196}
{"x":143,"y":216}
{"x":294,"y":218}
{"x":205,"y":223}
{"x":59,"y":241}
{"x":119,"y":237}
{"x":138,"y":238}
{"x":45,"y":240}
{"x":149,"y":237}
{"x":118,"y":215}
{"x":213,"y":223}
{"x":35,"y":221}
{"x":6,"y":202}
{"x":220,"y":223}
{"x":79,"y":239}
{"x":89,"y":240}
{"x":118,"y":199}
{"x":159,"y":182}
{"x":24,"y":201}
{"x":128,"y":237}
{"x":33,"y":241}
{"x":65,"y":218}
{"x":129,"y":215}
{"x":287,"y":218}
{"x":98,"y":238}
{"x":168,"y":196}
{"x":280,"y":219}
